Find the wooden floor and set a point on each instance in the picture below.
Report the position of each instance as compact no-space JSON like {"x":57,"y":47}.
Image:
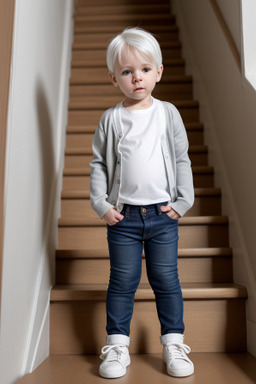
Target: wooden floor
{"x":210,"y":368}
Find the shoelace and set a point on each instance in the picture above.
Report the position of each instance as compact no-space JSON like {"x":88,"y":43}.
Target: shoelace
{"x":112,"y":352}
{"x":178,"y":351}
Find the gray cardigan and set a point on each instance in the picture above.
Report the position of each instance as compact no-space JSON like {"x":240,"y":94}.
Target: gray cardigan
{"x":107,"y":160}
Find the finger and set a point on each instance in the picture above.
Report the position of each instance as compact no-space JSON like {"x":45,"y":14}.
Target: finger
{"x":173,"y":214}
{"x":119,"y":217}
{"x":165,"y":208}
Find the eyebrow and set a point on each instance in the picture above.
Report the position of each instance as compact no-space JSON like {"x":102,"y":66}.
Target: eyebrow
{"x":130,"y":66}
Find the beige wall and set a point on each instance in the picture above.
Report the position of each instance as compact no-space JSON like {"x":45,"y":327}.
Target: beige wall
{"x":34,"y":161}
{"x":231,"y":12}
{"x":227,"y":107}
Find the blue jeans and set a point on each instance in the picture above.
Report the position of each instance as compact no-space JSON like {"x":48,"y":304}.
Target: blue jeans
{"x":144,"y":226}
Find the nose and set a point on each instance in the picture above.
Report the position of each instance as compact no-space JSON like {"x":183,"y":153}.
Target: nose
{"x":137,"y":77}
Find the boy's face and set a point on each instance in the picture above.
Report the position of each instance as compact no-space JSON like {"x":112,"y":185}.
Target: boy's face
{"x":136,"y":77}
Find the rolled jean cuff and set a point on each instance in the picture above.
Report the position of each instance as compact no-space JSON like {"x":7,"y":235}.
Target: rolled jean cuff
{"x":118,"y":339}
{"x":172,"y":338}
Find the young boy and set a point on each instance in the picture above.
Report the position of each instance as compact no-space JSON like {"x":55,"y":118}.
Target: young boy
{"x":141,"y":184}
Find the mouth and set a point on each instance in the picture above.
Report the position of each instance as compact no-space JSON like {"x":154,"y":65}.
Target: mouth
{"x":139,"y":89}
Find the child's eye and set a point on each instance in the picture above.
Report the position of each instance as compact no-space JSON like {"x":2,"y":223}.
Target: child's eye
{"x":126,"y":72}
{"x":146,"y":69}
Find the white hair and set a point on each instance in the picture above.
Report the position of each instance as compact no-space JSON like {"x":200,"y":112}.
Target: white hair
{"x":142,"y":43}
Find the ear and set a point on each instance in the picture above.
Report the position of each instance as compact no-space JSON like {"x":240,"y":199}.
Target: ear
{"x":159,"y":73}
{"x":113,"y":79}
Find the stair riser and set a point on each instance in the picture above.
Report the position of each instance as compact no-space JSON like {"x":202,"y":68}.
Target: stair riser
{"x":211,"y":326}
{"x":92,"y":117}
{"x":85,"y":140}
{"x":100,"y":75}
{"x":190,"y":236}
{"x":191,"y":270}
{"x":116,"y":28}
{"x":82,"y":183}
{"x":201,"y":181}
{"x":175,"y":91}
{"x":203,"y":206}
{"x":82,"y":161}
{"x":122,"y":9}
{"x":123,"y":21}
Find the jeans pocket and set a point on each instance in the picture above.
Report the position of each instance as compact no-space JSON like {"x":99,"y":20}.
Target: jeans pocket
{"x":118,"y":223}
{"x":171,"y":218}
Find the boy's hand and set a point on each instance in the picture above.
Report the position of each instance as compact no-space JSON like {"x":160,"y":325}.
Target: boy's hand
{"x":170,"y":212}
{"x":112,"y":216}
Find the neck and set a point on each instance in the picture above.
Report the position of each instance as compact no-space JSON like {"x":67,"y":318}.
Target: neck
{"x":138,"y":104}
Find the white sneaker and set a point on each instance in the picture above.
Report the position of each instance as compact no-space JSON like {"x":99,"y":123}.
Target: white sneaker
{"x":115,"y":356}
{"x":175,"y":355}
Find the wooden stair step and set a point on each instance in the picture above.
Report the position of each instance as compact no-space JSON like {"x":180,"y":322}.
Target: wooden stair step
{"x":117,"y":28}
{"x":179,"y":88}
{"x":182,"y":252}
{"x":84,"y":193}
{"x":118,"y":2}
{"x":101,"y":40}
{"x":73,"y":129}
{"x":190,"y":291}
{"x":98,"y":89}
{"x":194,"y":270}
{"x":77,"y":179}
{"x":83,"y":151}
{"x":207,"y":203}
{"x":83,"y":136}
{"x":81,"y":157}
{"x":78,"y":318}
{"x":198,"y":232}
{"x":97,"y":57}
{"x":183,"y":221}
{"x":86,"y":44}
{"x":205,"y":268}
{"x":108,"y":100}
{"x":85,"y":171}
{"x":126,"y":9}
{"x":99,"y":76}
{"x":189,"y":110}
{"x":124,"y":20}
{"x":221,"y":368}
{"x":81,"y":93}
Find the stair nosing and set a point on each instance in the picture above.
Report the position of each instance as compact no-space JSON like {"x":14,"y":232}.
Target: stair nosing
{"x":64,"y":254}
{"x":84,"y":151}
{"x":85,"y":171}
{"x":190,"y":291}
{"x":80,"y":129}
{"x":184,"y":221}
{"x":85,"y":194}
{"x":131,"y":17}
{"x":177,"y":103}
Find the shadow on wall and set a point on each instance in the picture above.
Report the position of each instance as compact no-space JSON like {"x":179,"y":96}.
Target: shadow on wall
{"x":48,"y":173}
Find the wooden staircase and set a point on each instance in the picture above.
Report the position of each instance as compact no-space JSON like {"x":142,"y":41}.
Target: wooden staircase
{"x":214,"y":306}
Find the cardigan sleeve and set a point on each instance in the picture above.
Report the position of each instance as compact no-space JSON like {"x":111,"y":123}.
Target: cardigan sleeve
{"x":99,"y":175}
{"x":184,"y":176}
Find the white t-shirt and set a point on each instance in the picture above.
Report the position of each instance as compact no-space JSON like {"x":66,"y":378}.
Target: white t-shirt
{"x":143,"y":177}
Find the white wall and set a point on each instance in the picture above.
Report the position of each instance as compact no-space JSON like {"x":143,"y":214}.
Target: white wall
{"x":36,"y":136}
{"x":227,"y":109}
{"x":248,"y":8}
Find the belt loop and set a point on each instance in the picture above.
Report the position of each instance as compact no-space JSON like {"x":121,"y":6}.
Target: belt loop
{"x":158,"y":210}
{"x":127,"y":210}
